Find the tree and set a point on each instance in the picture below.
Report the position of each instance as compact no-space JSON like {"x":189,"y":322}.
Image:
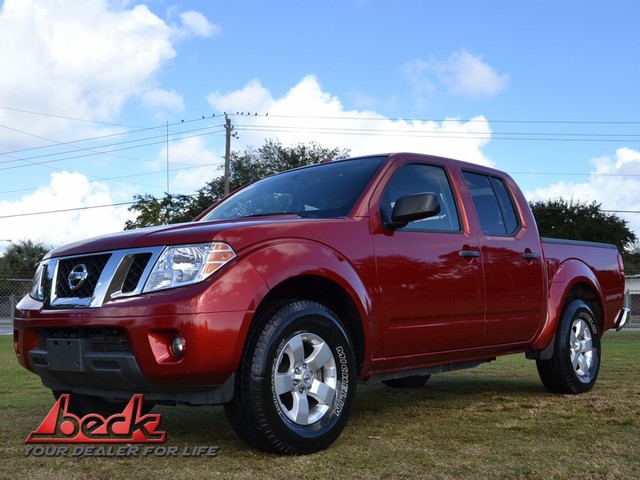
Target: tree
{"x":154,"y":211}
{"x":632,"y":259}
{"x":574,"y":220}
{"x":245,"y":168}
{"x":21,"y":259}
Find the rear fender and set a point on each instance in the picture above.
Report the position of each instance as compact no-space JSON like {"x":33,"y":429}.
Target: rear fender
{"x":572,"y":279}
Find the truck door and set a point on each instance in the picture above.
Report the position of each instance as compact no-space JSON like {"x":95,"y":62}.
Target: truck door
{"x":511,"y":256}
{"x":430,"y":276}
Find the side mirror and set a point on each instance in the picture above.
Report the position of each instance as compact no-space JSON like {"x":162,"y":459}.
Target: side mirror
{"x":413,"y":207}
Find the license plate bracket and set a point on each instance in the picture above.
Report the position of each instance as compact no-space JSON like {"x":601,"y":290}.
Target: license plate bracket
{"x":66,"y":354}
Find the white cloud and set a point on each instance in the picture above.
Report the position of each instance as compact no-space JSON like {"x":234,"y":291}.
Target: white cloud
{"x":307,"y":113}
{"x":424,"y":88}
{"x":71,"y":61}
{"x":65,"y":191}
{"x":462,"y":74}
{"x":197,"y":23}
{"x":192,"y":164}
{"x":83,"y":60}
{"x":163,"y":100}
{"x":118,"y":53}
{"x":614,"y":183}
{"x":368,"y":102}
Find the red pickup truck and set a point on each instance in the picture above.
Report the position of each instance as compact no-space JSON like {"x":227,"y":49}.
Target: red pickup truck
{"x":281,"y":297}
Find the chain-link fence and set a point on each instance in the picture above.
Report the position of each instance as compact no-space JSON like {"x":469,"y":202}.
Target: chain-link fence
{"x":632,"y":301}
{"x":11,"y":291}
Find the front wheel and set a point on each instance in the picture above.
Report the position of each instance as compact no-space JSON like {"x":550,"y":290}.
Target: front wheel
{"x":297,"y":380}
{"x":575,"y":363}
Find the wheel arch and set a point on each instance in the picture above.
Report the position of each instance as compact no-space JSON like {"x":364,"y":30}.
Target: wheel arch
{"x":588,"y":293}
{"x":573,"y":280}
{"x":327,"y":292}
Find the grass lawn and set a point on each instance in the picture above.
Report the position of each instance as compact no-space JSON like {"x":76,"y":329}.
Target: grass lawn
{"x":492,"y":422}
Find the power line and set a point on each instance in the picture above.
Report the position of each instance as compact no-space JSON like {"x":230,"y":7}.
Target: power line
{"x":537,"y":136}
{"x":132,"y":130}
{"x":120,"y":177}
{"x":53,"y":115}
{"x":85,"y":155}
{"x":575,"y":174}
{"x":113,"y":148}
{"x":342,"y":117}
{"x":441,"y":120}
{"x":110,"y":148}
{"x":66,"y":210}
{"x":410,"y":132}
{"x":30,"y":214}
{"x":450,"y":135}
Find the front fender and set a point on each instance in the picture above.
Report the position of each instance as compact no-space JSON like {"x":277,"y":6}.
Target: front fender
{"x":284,"y":260}
{"x":569,"y":275}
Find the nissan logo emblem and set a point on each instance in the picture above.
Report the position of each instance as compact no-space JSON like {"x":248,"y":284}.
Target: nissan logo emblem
{"x":77,"y":276}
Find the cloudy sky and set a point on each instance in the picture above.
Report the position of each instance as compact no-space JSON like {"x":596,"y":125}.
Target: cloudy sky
{"x":102,"y":100}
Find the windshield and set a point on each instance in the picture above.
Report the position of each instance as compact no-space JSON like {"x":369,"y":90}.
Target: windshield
{"x":326,"y":190}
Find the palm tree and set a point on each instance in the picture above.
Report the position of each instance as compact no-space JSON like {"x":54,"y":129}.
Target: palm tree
{"x":21,"y":259}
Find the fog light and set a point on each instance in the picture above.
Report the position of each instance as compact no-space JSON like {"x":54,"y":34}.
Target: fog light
{"x":178,"y":345}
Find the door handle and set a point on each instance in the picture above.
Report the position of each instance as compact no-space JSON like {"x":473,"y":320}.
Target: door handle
{"x":469,"y":253}
{"x":529,"y":256}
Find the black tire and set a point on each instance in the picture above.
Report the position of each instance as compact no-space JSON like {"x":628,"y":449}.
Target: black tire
{"x":83,"y":405}
{"x":297,"y":380}
{"x":575,"y":363}
{"x":413,"y":381}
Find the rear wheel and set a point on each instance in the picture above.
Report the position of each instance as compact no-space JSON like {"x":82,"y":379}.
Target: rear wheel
{"x":297,"y":381}
{"x":575,"y":363}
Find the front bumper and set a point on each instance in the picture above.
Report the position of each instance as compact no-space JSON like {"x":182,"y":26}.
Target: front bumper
{"x":116,"y":352}
{"x":83,"y":362}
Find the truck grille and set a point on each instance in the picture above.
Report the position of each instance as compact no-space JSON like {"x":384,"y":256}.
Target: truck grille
{"x":91,"y":280}
{"x":136,"y":269}
{"x":93,"y":266}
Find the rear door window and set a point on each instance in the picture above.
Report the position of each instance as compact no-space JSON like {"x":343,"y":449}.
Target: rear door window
{"x":493,"y":204}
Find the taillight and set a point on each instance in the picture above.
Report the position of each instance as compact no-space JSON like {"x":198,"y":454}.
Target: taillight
{"x":621,"y":265}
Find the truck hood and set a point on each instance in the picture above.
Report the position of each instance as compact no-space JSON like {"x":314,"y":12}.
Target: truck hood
{"x":183,"y":233}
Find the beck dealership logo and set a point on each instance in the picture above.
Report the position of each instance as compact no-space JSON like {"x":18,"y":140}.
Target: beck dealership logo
{"x":130,"y":426}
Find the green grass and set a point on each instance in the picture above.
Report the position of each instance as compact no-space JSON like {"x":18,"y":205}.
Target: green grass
{"x":495,"y":421}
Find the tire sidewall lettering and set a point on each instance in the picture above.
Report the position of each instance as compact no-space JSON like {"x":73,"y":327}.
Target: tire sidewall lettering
{"x":588,"y":319}
{"x":342,"y":392}
{"x":274,"y":367}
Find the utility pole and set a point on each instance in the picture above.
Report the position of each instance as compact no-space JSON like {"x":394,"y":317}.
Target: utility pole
{"x":227,"y":153}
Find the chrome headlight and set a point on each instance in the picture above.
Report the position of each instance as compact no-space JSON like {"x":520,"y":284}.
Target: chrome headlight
{"x":37,"y":287}
{"x":187,"y":264}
